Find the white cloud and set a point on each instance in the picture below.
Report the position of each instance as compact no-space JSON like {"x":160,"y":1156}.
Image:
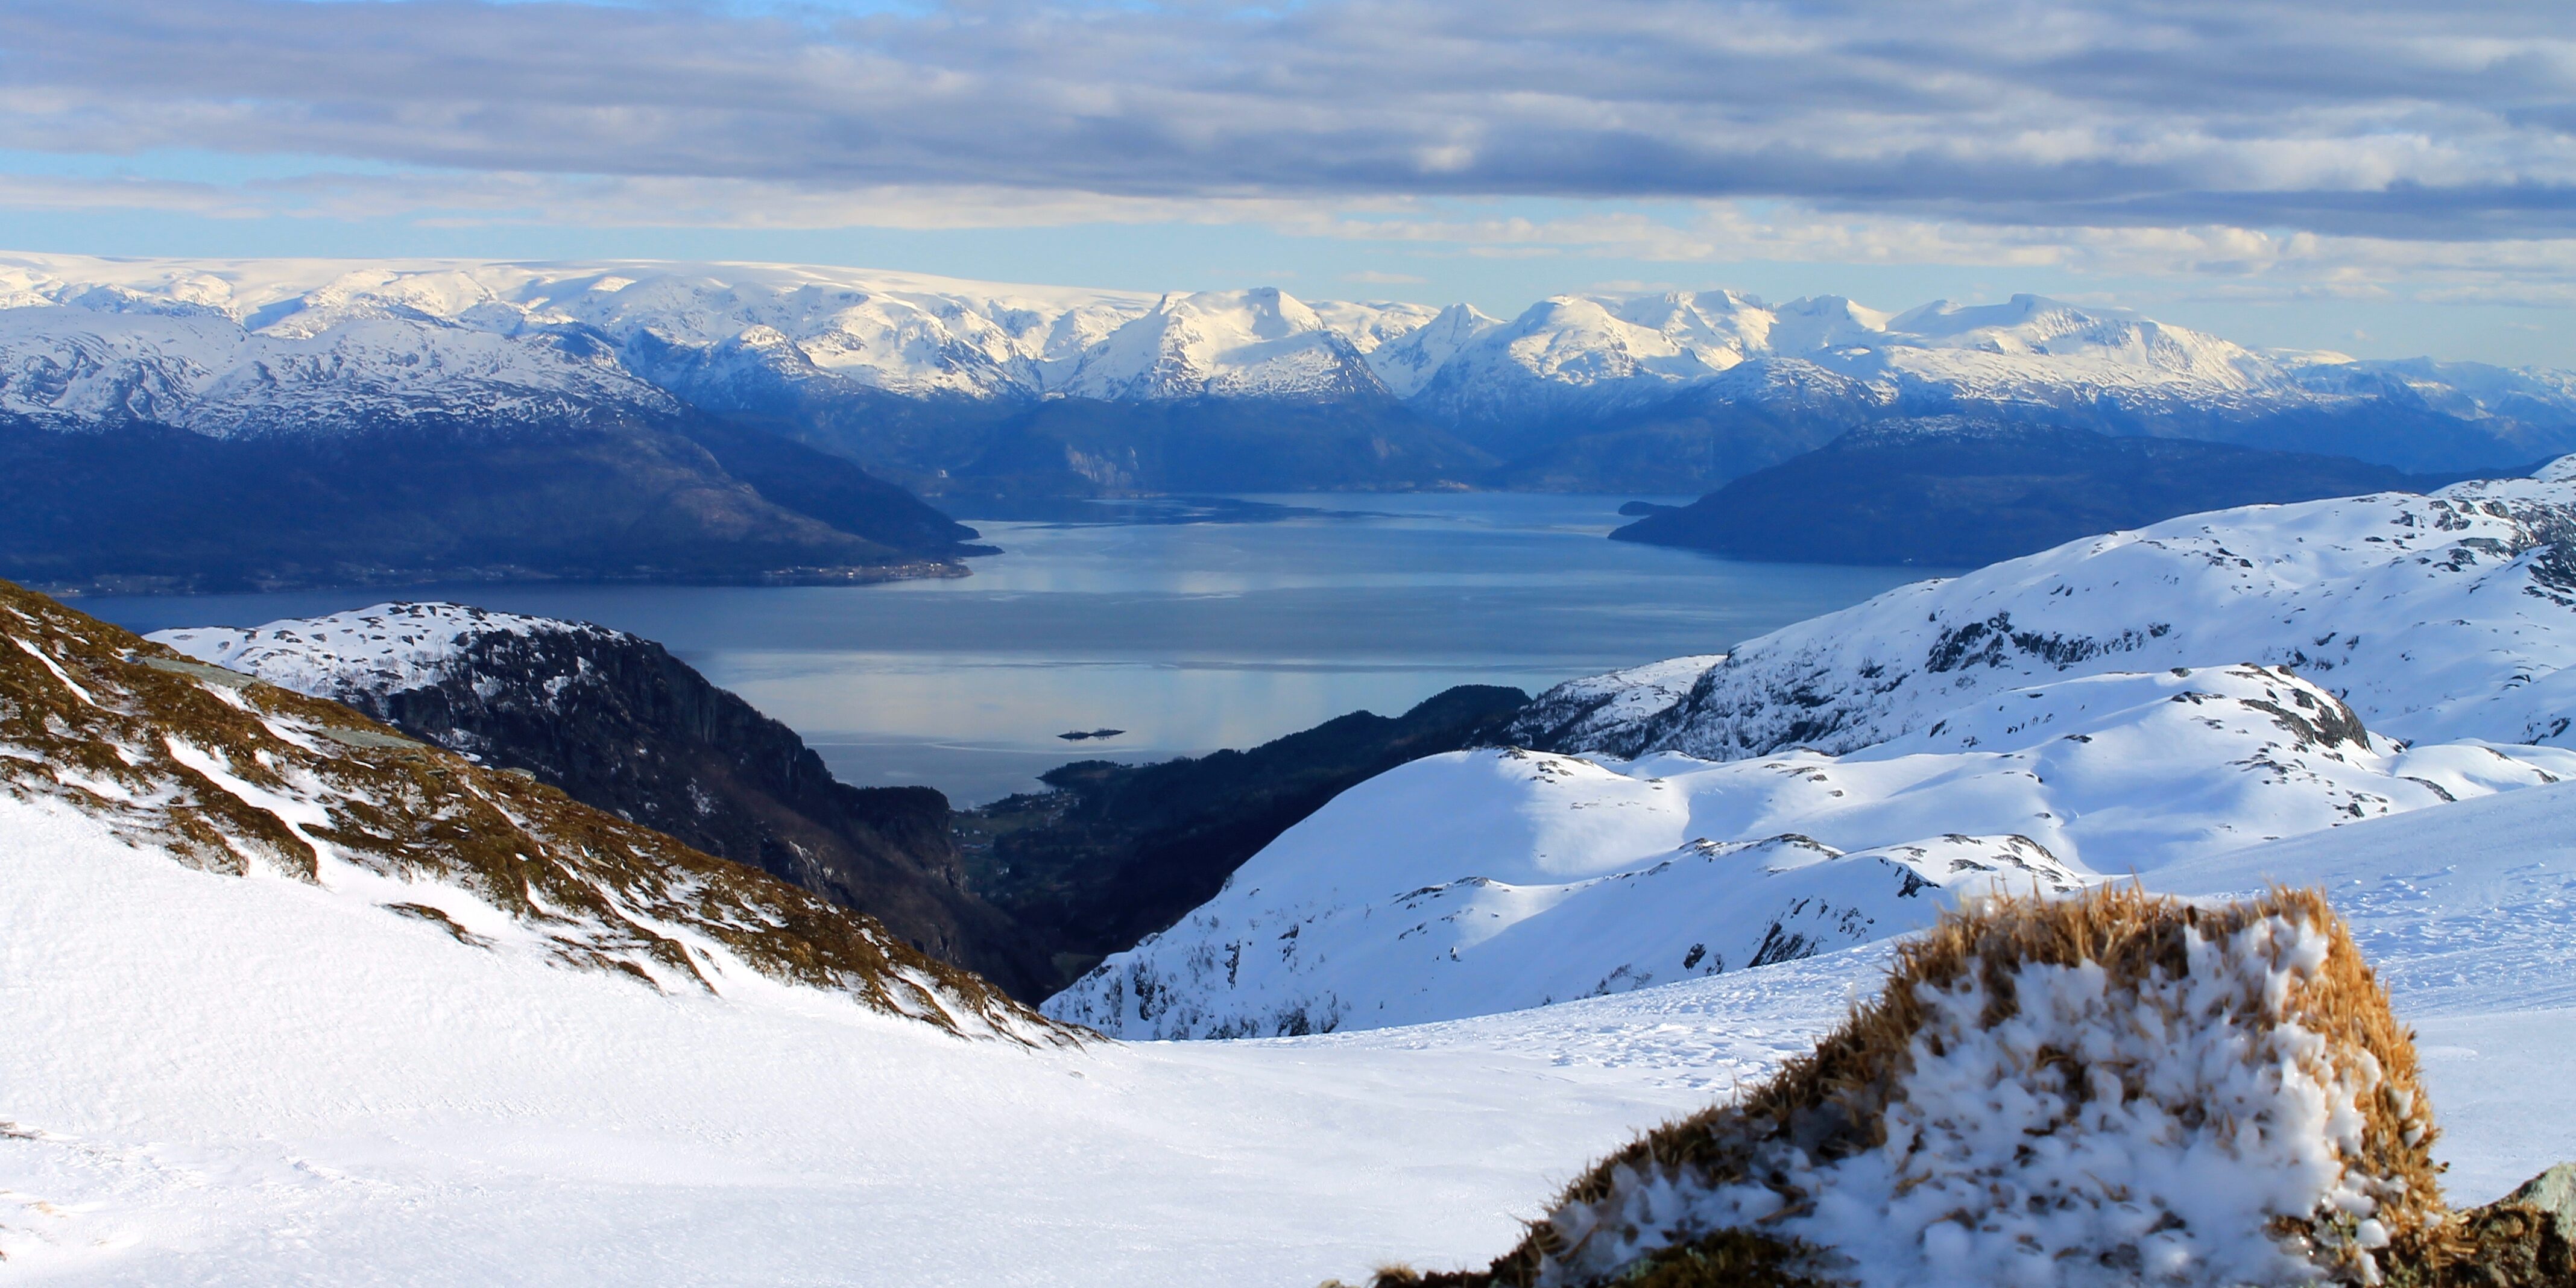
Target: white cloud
{"x":2217,"y":262}
{"x":2403,"y":118}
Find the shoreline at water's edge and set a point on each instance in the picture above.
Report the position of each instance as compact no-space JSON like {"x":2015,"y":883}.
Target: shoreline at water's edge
{"x":844,"y":575}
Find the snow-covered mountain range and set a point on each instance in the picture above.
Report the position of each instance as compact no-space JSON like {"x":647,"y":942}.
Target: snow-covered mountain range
{"x":226,"y":347}
{"x":2118,"y":705}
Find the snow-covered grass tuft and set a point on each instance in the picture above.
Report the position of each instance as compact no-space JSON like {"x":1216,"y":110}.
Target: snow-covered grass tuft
{"x":2111,"y":1088}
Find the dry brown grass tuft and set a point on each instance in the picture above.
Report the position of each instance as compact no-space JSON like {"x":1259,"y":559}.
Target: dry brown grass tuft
{"x":1833,"y":1102}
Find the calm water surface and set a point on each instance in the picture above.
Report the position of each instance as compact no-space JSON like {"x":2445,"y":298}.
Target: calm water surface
{"x":1187,"y":636}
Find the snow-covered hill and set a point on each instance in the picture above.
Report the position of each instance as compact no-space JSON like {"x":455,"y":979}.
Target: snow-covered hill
{"x":621,"y":725}
{"x":2114,"y":706}
{"x":225,"y":345}
{"x":373,"y":652}
{"x":1477,"y":882}
{"x":2436,"y":617}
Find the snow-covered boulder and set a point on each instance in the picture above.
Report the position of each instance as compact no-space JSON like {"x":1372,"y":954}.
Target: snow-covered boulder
{"x":2111,"y":1089}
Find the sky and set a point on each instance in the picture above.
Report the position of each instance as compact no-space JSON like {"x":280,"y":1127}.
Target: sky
{"x":2384,"y":178}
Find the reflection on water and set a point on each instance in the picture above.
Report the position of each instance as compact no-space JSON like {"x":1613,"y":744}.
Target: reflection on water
{"x":1189,"y":636}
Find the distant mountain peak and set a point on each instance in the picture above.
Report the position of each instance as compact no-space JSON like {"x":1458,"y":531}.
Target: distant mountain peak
{"x":218,"y":346}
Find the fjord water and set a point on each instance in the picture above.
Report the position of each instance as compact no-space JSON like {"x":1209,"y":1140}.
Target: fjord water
{"x":1264,"y":616}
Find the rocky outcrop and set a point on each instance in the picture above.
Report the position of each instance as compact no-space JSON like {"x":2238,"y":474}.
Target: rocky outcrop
{"x":1116,"y":852}
{"x":2527,"y":1239}
{"x":2113,"y":1088}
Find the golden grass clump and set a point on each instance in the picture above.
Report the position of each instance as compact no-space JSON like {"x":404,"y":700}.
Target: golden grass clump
{"x":2274,"y":984}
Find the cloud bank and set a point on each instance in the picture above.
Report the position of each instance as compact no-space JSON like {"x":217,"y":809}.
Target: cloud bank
{"x":2383,"y":122}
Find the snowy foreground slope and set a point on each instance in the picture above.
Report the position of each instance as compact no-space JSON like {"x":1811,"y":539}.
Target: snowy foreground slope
{"x":2116,"y":705}
{"x":255,"y":1081}
{"x":234,"y":777}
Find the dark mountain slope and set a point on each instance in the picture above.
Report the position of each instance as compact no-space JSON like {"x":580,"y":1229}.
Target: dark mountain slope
{"x":1951,"y":491}
{"x":1118,"y":852}
{"x":135,"y":505}
{"x":1087,"y":447}
{"x":829,"y":488}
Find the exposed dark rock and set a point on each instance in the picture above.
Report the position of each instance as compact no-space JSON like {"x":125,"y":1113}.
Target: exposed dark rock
{"x":1117,"y":852}
{"x":617,"y":723}
{"x":2527,"y":1239}
{"x":1087,"y":447}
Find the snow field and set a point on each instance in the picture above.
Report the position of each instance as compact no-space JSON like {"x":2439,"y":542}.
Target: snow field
{"x":256,"y":1080}
{"x":227,"y":1079}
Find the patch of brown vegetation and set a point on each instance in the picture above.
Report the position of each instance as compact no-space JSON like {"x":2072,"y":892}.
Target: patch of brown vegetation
{"x":1832,"y":1103}
{"x":224,"y":774}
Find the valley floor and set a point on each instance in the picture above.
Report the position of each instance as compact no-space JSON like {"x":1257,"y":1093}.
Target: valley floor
{"x":212,"y":1079}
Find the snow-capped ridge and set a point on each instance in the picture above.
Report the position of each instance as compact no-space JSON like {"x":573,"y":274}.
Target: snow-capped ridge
{"x":383,"y":648}
{"x":2435,"y":617}
{"x":2122,"y":704}
{"x":227,"y":345}
{"x":1257,"y":343}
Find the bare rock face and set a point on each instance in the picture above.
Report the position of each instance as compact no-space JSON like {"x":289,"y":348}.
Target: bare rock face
{"x":2527,"y":1239}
